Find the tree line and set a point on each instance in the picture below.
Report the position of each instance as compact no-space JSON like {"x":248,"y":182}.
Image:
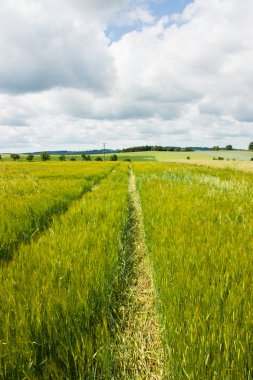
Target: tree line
{"x":44,"y":156}
{"x":156,"y":148}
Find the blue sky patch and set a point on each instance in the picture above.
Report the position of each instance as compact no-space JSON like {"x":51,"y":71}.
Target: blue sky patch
{"x":157,"y":8}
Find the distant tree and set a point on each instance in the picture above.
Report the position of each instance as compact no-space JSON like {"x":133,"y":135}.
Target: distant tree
{"x":30,"y":157}
{"x":45,"y":156}
{"x":189,"y":149}
{"x":15,"y":156}
{"x":144,"y":148}
{"x":158,"y":148}
{"x":86,"y":157}
{"x":72,"y":159}
{"x":216,"y":147}
{"x":251,"y":159}
{"x":0,"y":157}
{"x":251,"y":146}
{"x":229,"y":147}
{"x":127,"y":160}
{"x":188,"y":157}
{"x":114,"y":157}
{"x":98,"y":158}
{"x":62,"y":157}
{"x":178,"y":149}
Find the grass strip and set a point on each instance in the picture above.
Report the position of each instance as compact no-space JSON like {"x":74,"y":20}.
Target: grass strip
{"x":138,"y":352}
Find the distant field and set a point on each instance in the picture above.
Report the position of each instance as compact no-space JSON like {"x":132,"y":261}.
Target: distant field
{"x":229,"y":154}
{"x":196,"y":155}
{"x":245,"y":166}
{"x":236,"y":155}
{"x":159,"y":156}
{"x":203,"y":155}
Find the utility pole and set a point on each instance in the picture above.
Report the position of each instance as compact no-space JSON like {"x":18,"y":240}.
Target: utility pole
{"x":104,"y":150}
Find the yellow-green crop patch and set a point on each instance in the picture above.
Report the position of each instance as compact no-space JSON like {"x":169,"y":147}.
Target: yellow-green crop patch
{"x":63,"y":292}
{"x":199,"y":234}
{"x":58,"y":296}
{"x":31,"y":193}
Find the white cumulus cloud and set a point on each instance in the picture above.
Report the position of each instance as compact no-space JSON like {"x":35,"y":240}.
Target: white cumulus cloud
{"x":183,"y":79}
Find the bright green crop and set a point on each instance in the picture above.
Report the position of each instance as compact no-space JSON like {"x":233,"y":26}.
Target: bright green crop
{"x":59,"y":294}
{"x":31,"y":193}
{"x":199,"y":234}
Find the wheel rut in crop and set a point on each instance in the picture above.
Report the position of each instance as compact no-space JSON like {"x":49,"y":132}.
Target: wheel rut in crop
{"x":138,"y":352}
{"x":7,"y":255}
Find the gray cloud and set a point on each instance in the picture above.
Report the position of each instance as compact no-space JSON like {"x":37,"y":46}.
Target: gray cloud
{"x":43,"y":50}
{"x":12,"y":121}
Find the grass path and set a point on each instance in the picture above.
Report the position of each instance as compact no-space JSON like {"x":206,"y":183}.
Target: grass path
{"x":138,"y":350}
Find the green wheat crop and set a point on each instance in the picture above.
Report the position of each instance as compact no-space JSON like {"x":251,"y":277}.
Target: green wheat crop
{"x":199,"y":234}
{"x":59,"y":294}
{"x":31,"y":193}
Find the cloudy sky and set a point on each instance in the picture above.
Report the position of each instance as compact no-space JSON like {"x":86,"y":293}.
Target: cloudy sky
{"x":77,"y":73}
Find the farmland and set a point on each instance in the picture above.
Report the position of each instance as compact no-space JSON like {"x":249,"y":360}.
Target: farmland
{"x":233,"y":157}
{"x":199,"y":236}
{"x":91,"y":263}
{"x":30,"y":195}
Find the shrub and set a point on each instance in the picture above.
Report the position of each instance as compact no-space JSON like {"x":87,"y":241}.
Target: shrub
{"x":114,"y":157}
{"x":45,"y":156}
{"x":15,"y":156}
{"x":86,"y":157}
{"x":30,"y":157}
